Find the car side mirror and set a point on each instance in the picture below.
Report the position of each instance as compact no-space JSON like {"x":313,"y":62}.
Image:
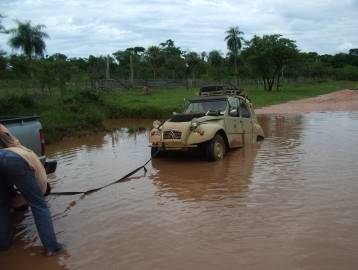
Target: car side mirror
{"x":233,"y":113}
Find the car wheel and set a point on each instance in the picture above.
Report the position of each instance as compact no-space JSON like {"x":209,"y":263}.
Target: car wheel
{"x":154,"y":152}
{"x":215,"y":149}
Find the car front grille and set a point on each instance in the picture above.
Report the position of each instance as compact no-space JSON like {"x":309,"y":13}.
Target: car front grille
{"x":172,"y":135}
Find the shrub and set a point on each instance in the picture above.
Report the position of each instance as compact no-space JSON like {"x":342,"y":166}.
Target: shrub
{"x":15,"y":105}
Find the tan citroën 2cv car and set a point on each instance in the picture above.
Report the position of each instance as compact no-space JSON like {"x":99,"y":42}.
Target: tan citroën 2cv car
{"x":218,"y":119}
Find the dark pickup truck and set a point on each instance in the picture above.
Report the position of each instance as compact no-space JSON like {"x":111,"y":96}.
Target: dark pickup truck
{"x":28,"y":130}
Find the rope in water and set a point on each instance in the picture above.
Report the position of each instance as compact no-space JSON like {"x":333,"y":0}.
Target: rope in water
{"x":69,"y":193}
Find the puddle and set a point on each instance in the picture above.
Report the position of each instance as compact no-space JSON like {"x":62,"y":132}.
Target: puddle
{"x":289,"y":202}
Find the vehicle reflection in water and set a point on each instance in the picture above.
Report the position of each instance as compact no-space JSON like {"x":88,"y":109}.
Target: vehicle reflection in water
{"x":188,"y":177}
{"x":288,"y":202}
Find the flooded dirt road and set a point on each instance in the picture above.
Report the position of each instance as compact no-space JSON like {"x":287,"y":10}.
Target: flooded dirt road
{"x":343,"y":100}
{"x":289,"y":202}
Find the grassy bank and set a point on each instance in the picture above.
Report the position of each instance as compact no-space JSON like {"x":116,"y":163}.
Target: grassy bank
{"x":85,"y":110}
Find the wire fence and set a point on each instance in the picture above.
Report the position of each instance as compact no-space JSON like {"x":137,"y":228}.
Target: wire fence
{"x":37,"y":88}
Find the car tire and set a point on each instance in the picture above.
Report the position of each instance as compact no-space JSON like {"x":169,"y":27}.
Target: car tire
{"x":215,"y":149}
{"x":154,"y":152}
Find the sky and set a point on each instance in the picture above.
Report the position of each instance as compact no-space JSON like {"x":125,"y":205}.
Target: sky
{"x":101,"y":27}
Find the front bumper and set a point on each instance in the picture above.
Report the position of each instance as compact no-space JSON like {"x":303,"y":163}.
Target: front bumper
{"x":173,"y":146}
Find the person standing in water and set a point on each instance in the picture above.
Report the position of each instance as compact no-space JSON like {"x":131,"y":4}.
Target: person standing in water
{"x":21,"y":168}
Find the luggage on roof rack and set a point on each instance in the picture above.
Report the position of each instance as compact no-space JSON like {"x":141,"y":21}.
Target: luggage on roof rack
{"x":219,"y":90}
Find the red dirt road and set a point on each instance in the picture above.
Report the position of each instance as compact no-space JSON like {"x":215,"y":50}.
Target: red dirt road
{"x":344,"y":100}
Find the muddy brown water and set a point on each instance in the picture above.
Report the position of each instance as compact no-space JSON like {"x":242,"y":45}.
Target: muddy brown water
{"x":290,"y":202}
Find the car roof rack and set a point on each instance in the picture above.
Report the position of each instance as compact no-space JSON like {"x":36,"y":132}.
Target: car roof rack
{"x":220,"y":90}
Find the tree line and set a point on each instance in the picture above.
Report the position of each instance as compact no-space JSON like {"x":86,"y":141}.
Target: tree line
{"x":268,"y":59}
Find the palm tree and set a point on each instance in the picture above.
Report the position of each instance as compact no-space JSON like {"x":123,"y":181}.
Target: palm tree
{"x":28,"y":38}
{"x":233,"y":41}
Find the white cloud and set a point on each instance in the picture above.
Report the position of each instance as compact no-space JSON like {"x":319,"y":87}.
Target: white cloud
{"x":80,"y":28}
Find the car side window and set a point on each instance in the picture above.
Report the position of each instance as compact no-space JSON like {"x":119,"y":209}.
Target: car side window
{"x":244,"y":109}
{"x":233,"y":107}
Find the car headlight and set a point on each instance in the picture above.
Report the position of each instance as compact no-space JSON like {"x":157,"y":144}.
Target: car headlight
{"x":155,"y":132}
{"x":156,"y":124}
{"x":194,"y":123}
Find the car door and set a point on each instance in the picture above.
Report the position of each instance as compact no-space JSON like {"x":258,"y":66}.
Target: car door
{"x":246,"y":120}
{"x":233,"y":124}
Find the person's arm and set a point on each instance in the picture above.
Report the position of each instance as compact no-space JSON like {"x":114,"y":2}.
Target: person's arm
{"x":48,"y":189}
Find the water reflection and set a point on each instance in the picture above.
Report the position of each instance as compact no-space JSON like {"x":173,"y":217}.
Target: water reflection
{"x":281,"y":125}
{"x":189,"y":177}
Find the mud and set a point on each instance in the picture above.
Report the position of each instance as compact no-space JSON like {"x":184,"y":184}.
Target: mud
{"x":289,"y":202}
{"x":344,"y":100}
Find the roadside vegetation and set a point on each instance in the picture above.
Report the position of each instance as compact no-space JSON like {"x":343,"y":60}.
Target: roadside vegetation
{"x":70,"y":96}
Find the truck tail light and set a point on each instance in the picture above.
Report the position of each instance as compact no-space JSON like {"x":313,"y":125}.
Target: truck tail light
{"x":42,"y":139}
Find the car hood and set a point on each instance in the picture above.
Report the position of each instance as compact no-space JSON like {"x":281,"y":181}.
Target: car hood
{"x":188,"y":117}
{"x":185,"y":117}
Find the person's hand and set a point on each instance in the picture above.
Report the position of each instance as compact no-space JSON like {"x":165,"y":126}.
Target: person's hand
{"x":19,"y":203}
{"x":48,"y":189}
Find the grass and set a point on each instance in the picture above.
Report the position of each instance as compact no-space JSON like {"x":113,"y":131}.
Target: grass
{"x":84,"y":111}
{"x":160,"y":103}
{"x":60,"y":116}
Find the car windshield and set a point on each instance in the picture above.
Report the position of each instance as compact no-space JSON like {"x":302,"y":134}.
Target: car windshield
{"x":203,"y":106}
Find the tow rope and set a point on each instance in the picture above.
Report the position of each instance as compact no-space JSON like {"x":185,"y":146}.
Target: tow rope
{"x":70,"y":193}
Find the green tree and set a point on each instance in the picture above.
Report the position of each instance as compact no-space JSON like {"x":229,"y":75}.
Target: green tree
{"x":353,"y":56}
{"x":19,"y":66}
{"x":96,"y":67}
{"x":30,"y":39}
{"x":215,"y":61}
{"x":130,"y":61}
{"x":154,"y":58}
{"x":193,"y":61}
{"x":3,"y":63}
{"x":45,"y":74}
{"x":3,"y":60}
{"x":348,"y":72}
{"x":174,"y":61}
{"x":63,"y":71}
{"x":204,"y":55}
{"x":234,"y":44}
{"x":269,"y":55}
{"x":353,"y":52}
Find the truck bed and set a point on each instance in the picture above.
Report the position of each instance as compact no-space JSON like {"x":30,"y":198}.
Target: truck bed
{"x":28,"y":130}
{"x":8,"y":119}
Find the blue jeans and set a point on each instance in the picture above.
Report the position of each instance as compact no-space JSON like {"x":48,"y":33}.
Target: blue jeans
{"x":14,"y":170}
